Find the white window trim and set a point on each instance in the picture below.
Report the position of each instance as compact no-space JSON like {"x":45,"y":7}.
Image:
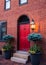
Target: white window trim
{"x":7,"y":4}
{"x":23,"y":2}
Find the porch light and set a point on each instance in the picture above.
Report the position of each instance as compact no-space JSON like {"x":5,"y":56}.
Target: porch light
{"x":32,"y":25}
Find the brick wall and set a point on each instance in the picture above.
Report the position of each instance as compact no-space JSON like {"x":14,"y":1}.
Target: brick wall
{"x":35,"y":9}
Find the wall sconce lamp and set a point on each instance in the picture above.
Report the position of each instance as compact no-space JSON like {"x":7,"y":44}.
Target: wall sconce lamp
{"x":32,"y":24}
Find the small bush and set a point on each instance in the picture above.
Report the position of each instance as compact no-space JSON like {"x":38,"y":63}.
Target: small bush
{"x":34,"y":49}
{"x":34,"y":37}
{"x":8,"y":39}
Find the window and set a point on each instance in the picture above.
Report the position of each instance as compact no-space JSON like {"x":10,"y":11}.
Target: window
{"x":7,"y":4}
{"x":3,"y":29}
{"x":23,"y":2}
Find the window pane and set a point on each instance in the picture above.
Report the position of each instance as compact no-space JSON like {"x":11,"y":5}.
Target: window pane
{"x":23,"y":1}
{"x":0,"y":30}
{"x":7,"y":4}
{"x":3,"y":29}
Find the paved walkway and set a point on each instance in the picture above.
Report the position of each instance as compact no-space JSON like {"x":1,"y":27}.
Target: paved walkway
{"x":9,"y":62}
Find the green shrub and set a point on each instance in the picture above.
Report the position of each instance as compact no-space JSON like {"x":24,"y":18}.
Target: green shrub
{"x":7,"y":47}
{"x":34,"y":49}
{"x":34,"y":37}
{"x":8,"y":39}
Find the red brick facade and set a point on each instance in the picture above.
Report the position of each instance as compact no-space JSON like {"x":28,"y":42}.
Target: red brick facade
{"x":35,"y":9}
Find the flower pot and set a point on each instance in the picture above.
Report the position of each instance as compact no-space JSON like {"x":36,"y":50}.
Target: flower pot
{"x":35,"y":58}
{"x":7,"y":54}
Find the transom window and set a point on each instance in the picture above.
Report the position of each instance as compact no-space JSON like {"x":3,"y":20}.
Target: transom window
{"x":3,"y":29}
{"x":23,"y":2}
{"x":7,"y":4}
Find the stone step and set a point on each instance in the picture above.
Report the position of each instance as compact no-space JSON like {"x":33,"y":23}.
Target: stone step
{"x":23,"y":52}
{"x":20,"y":55}
{"x":18,"y":60}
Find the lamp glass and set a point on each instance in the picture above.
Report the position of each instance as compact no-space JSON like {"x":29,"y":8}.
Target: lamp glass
{"x":33,"y":26}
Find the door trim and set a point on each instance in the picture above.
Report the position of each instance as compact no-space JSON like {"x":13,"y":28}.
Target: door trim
{"x":23,"y":19}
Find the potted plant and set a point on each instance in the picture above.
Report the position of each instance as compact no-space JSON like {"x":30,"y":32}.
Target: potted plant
{"x":35,"y":51}
{"x":7,"y":48}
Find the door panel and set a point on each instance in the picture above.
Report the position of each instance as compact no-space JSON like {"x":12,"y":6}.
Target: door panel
{"x":24,"y":30}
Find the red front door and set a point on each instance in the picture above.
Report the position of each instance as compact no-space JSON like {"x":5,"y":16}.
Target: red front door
{"x":24,"y":30}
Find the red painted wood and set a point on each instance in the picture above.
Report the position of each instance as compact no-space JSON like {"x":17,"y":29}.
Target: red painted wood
{"x":24,"y":30}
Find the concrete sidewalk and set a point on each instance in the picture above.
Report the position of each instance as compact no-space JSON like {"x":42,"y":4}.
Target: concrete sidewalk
{"x":9,"y":62}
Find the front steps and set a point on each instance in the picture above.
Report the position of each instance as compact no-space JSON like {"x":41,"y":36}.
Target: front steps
{"x":20,"y":57}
